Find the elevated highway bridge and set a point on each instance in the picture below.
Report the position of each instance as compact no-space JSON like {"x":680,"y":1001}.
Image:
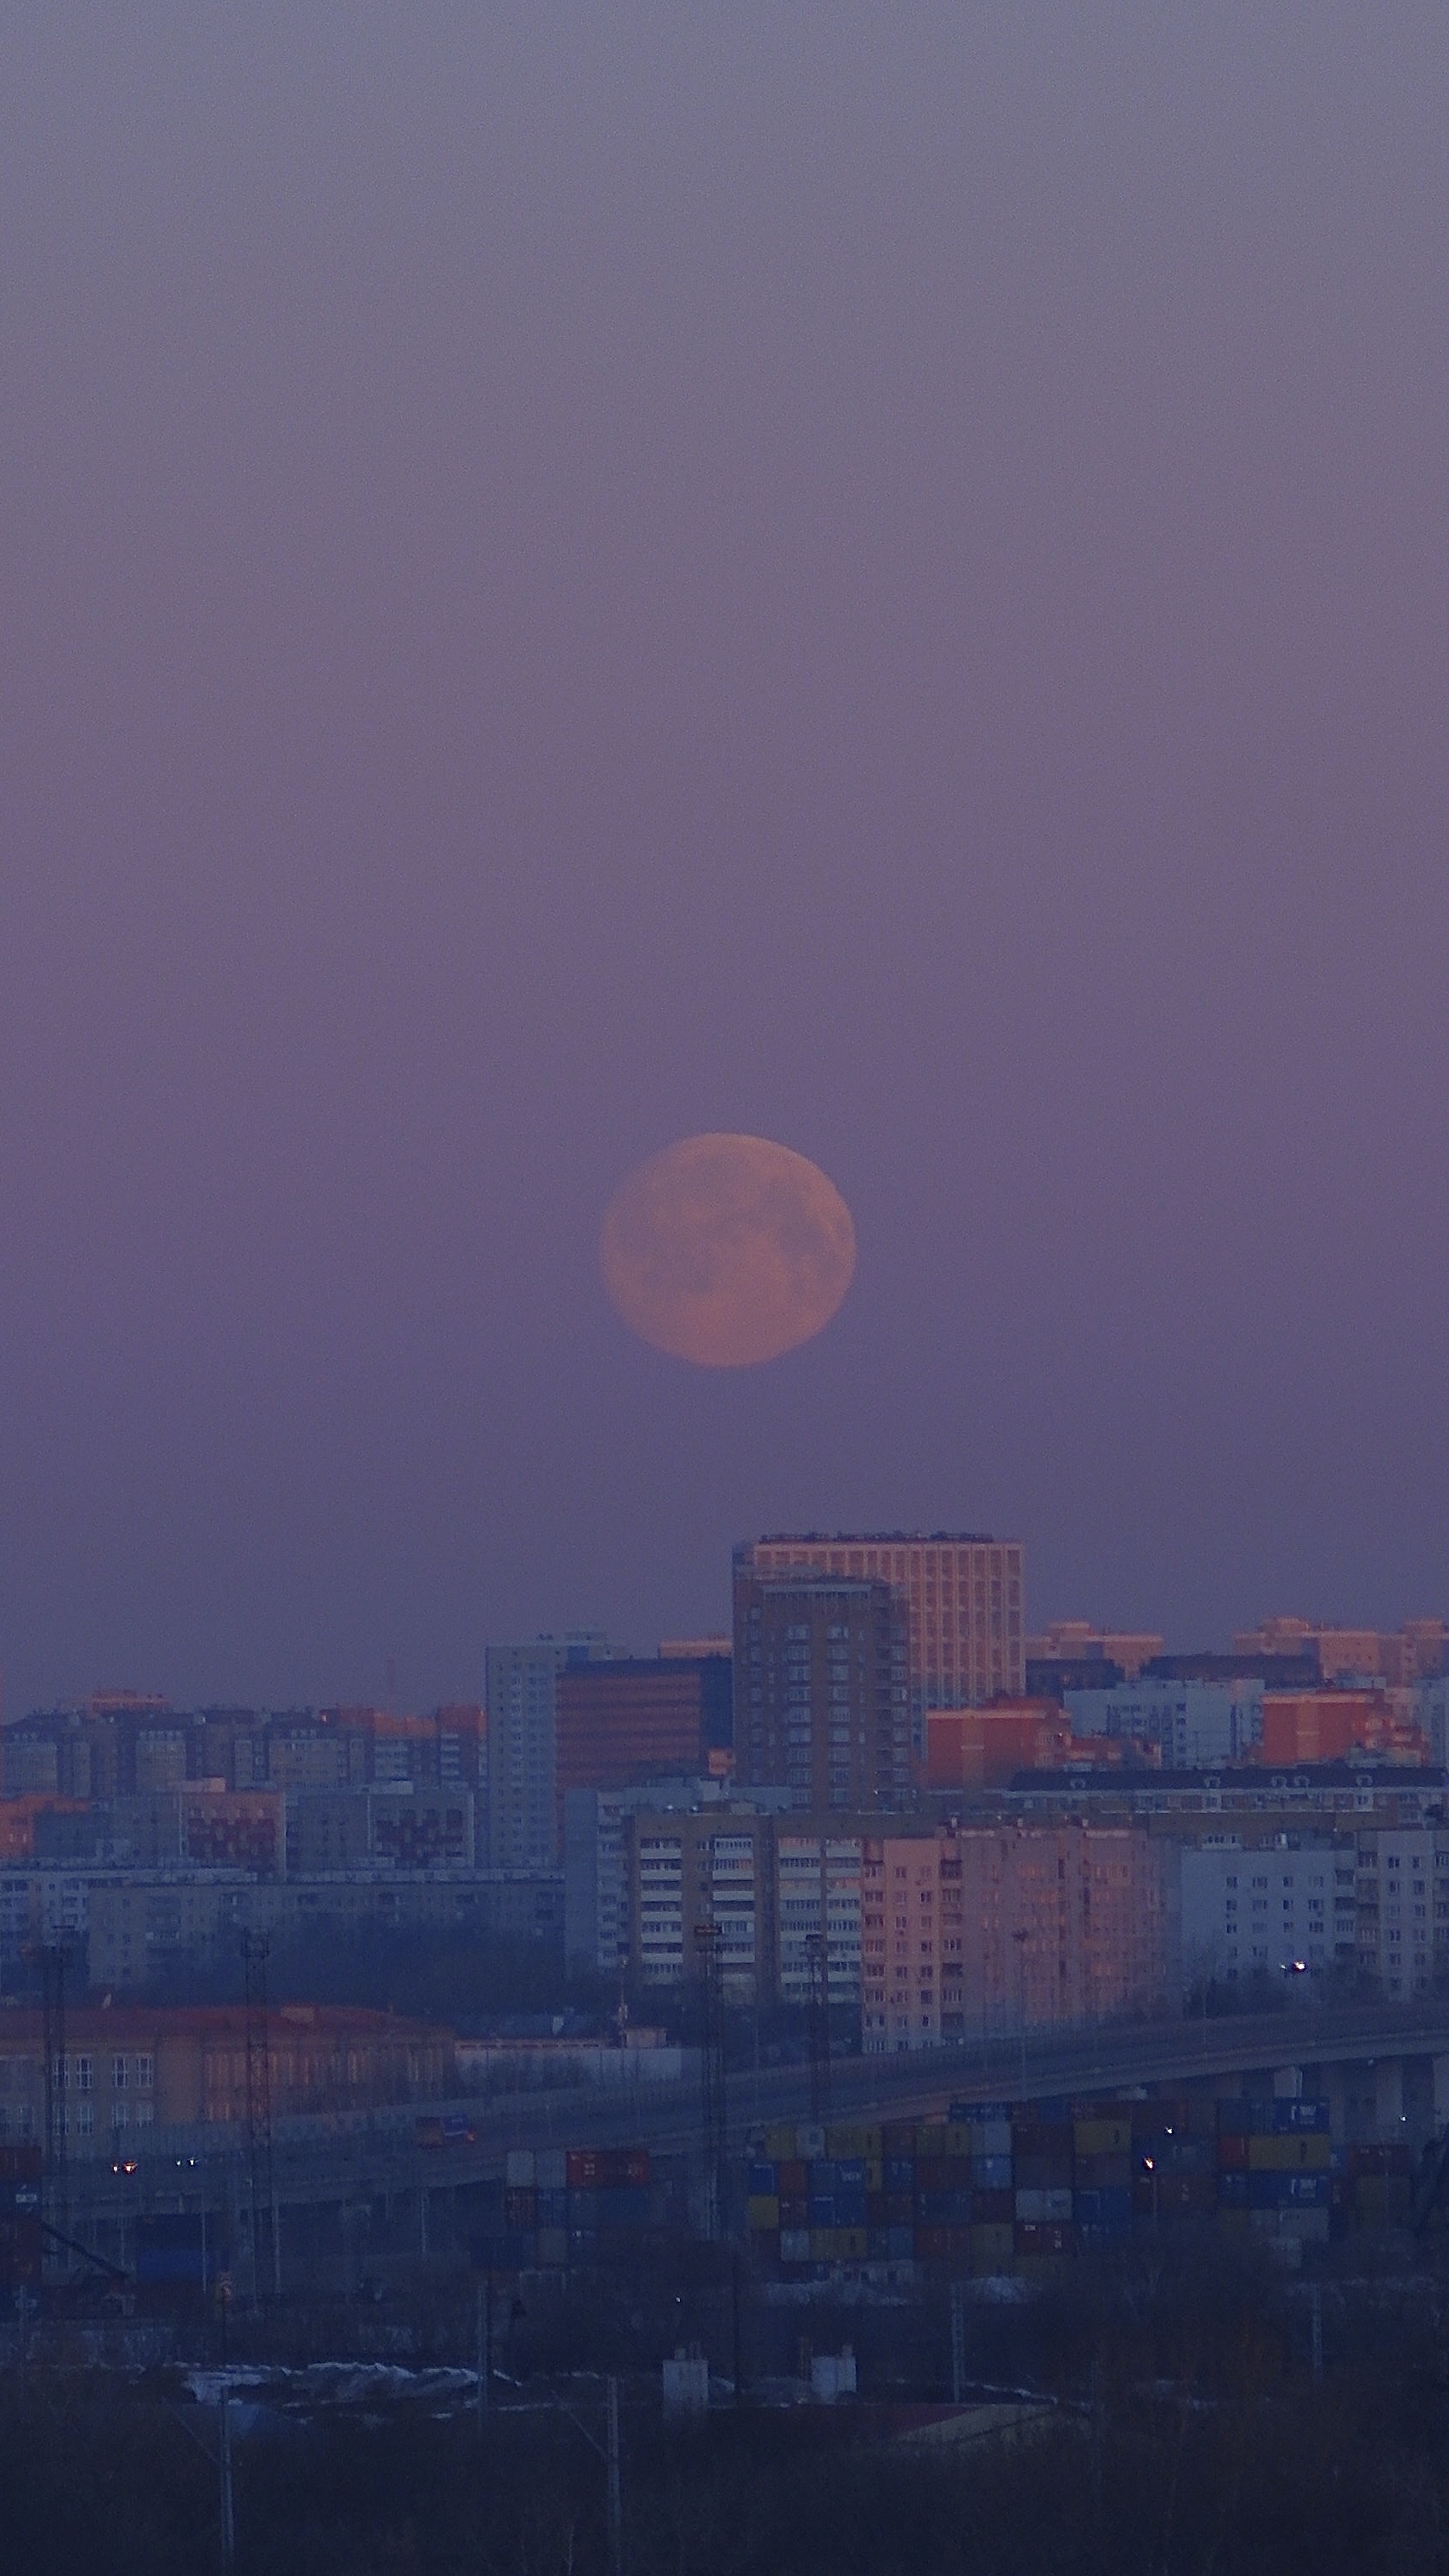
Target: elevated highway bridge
{"x":1386,"y":2074}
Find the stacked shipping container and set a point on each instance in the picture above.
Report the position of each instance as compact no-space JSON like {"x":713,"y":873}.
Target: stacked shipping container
{"x":997,"y":2185}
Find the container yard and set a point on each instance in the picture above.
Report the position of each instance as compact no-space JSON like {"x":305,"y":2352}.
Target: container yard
{"x":1001,"y":2186}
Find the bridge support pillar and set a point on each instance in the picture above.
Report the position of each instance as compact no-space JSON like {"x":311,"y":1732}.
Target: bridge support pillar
{"x":1389,"y":2098}
{"x":1335,"y":2093}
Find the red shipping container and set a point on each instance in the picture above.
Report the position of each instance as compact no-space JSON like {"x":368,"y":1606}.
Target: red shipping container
{"x":1233,"y":2151}
{"x":1043,"y":2236}
{"x":876,"y":2206}
{"x":795,"y":2212}
{"x":900,"y":2209}
{"x":581,"y":2168}
{"x":933,"y":2244}
{"x":1043,"y":2138}
{"x":1379,"y":2160}
{"x":793,"y":2177}
{"x":943,"y":2173}
{"x":898,"y":2138}
{"x":1189,"y":2195}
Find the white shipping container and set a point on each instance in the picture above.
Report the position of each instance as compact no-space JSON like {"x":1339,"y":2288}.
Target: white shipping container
{"x":794,"y":2244}
{"x":551,"y":2169}
{"x":518,"y":2172}
{"x":809,"y":2143}
{"x":1036,"y":2208}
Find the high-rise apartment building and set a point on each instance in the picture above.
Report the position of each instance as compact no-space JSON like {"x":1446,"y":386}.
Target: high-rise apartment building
{"x":639,"y":1717}
{"x":524,"y":1827}
{"x":996,"y":1928}
{"x":822,"y":1688}
{"x":964,"y":1594}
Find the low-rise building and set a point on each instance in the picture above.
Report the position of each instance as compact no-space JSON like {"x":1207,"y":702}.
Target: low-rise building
{"x":128,"y":2067}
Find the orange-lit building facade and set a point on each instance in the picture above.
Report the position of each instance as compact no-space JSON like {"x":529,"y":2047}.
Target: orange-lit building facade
{"x":964,"y":1594}
{"x":999,"y":1928}
{"x":127,"y":2067}
{"x":1328,"y":1725}
{"x":972,"y":1749}
{"x":1416,"y":1652}
{"x":1074,"y":1641}
{"x":639,"y":1718}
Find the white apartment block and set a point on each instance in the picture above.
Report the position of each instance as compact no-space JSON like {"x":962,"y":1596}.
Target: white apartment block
{"x":817,"y":1899}
{"x":1403,"y":1908}
{"x":1265,"y":1911}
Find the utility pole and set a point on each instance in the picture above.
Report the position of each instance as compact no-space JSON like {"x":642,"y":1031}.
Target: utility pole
{"x":49,"y":1957}
{"x":713,"y":2109}
{"x":228,"y":2514}
{"x":1021,"y":1939}
{"x":254,"y":1949}
{"x":485,"y":2358}
{"x":615,"y":2486}
{"x":818,"y":1963}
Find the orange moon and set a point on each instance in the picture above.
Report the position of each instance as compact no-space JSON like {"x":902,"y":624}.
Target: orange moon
{"x":727,"y":1250}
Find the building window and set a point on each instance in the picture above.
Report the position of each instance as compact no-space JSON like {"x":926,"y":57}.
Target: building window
{"x":145,"y":2072}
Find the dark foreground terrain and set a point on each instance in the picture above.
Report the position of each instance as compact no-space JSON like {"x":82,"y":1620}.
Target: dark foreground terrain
{"x":1190,"y":2432}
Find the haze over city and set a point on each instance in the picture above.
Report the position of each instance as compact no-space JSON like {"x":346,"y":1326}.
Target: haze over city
{"x":873,"y":579}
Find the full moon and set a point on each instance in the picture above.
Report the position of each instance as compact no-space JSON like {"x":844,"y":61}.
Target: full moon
{"x":727,"y":1250}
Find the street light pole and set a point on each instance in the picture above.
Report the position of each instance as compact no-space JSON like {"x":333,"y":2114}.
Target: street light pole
{"x":1021,"y":1938}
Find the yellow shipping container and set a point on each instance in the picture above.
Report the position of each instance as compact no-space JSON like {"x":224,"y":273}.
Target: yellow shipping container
{"x":780,"y":2144}
{"x":874,"y":2174}
{"x":850,"y":2244}
{"x":1102,"y":2137}
{"x":931,"y":2137}
{"x":958,"y":2138}
{"x":846,"y":2141}
{"x":1305,"y":2152}
{"x":823,"y":2243}
{"x":762,"y":2209}
{"x":852,"y":2142}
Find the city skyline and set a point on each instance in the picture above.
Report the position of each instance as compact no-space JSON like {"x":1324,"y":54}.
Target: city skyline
{"x":911,"y":628}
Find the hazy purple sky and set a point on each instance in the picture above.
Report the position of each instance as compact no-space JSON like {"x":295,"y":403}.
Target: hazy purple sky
{"x":875,"y":575}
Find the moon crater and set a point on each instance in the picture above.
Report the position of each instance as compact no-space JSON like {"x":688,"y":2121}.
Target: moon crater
{"x":727,"y":1250}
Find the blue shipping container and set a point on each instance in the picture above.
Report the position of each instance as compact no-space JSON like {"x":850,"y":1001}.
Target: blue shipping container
{"x":625,"y":2205}
{"x":943,"y":2208}
{"x":991,"y":2173}
{"x":1233,"y":2191}
{"x":762,"y":2182}
{"x":553,"y":2208}
{"x":900,"y":2173}
{"x":902,"y":2244}
{"x":1287,"y":2190}
{"x":821,"y":2209}
{"x":1110,"y":2206}
{"x":1273,"y":2119}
